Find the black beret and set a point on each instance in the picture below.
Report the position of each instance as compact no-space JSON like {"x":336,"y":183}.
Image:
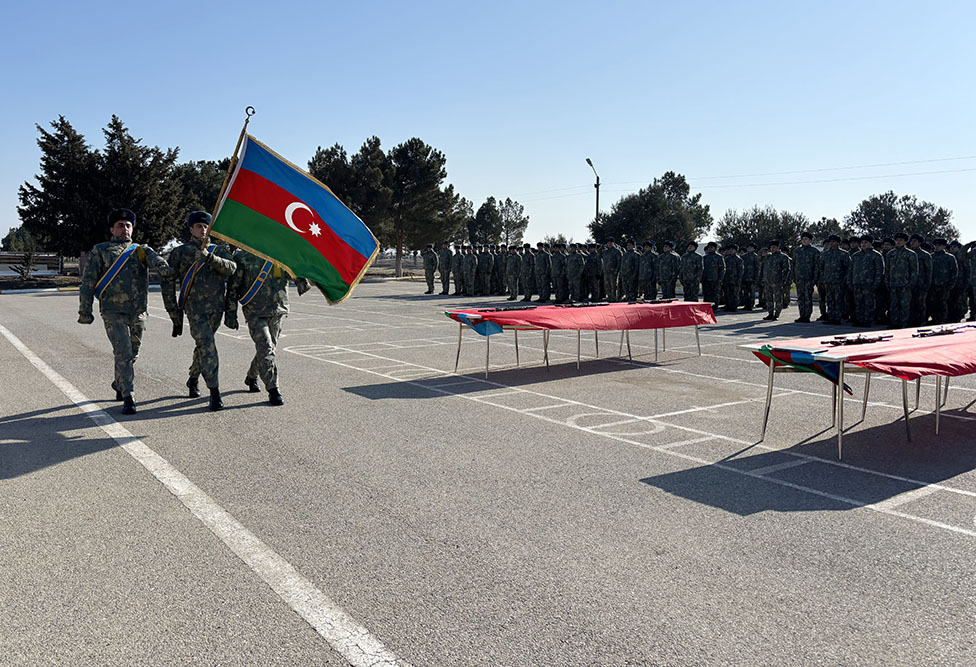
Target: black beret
{"x":868,"y":238}
{"x":609,"y":239}
{"x":752,"y":244}
{"x":711,"y":244}
{"x":834,"y":237}
{"x":668,"y":243}
{"x":694,"y":243}
{"x":121,"y":214}
{"x":806,"y":235}
{"x":774,"y":242}
{"x":526,"y":245}
{"x":940,"y":242}
{"x":888,"y":239}
{"x":916,"y":237}
{"x":198,"y":216}
{"x":901,"y":235}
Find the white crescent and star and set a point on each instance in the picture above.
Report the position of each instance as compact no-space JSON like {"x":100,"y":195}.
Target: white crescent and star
{"x":290,"y":211}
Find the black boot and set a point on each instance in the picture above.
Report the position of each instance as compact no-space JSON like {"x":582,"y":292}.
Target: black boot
{"x":215,"y":402}
{"x":274,"y":397}
{"x":193,"y":384}
{"x":118,"y":392}
{"x":129,"y":406}
{"x":252,"y":385}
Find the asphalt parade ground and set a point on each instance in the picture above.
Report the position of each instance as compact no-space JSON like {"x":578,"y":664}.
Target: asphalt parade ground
{"x":394,"y":512}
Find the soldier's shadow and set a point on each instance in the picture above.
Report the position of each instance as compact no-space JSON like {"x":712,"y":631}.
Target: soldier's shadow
{"x":35,"y":440}
{"x":168,"y":407}
{"x":879,"y":463}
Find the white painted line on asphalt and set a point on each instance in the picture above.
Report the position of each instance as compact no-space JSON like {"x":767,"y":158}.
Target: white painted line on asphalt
{"x":339,"y":629}
{"x":548,"y":407}
{"x":907,"y":497}
{"x":681,"y":443}
{"x":708,"y":407}
{"x":786,"y":465}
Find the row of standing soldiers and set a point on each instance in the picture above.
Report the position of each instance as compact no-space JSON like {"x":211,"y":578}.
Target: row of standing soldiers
{"x":859,"y":288}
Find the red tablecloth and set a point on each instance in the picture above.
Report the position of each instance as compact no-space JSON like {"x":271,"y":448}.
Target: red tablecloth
{"x":902,"y":356}
{"x":610,"y":317}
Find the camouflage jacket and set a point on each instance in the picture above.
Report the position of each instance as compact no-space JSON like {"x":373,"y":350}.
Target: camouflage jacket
{"x":901,"y":267}
{"x":471,"y":263}
{"x":629,"y":263}
{"x":543,"y":263}
{"x":690,"y":272}
{"x":750,"y":267}
{"x":592,"y":265}
{"x":574,"y":265}
{"x":806,"y":263}
{"x":834,"y":266}
{"x":648,"y":266}
{"x":430,"y":260}
{"x":713,"y":267}
{"x":971,"y":266}
{"x":270,"y":299}
{"x":208,"y":291}
{"x":776,"y":269}
{"x":128,"y":293}
{"x":924,"y":278}
{"x":867,"y":268}
{"x":944,"y":269}
{"x":513,"y":265}
{"x":733,"y":270}
{"x":528,"y":265}
{"x":668,"y":264}
{"x":610,"y":260}
{"x":457,"y":262}
{"x":558,"y":264}
{"x":483,"y":260}
{"x":445,"y":259}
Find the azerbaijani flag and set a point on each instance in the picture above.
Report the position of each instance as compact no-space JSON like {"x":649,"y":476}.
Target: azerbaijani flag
{"x":279,"y":212}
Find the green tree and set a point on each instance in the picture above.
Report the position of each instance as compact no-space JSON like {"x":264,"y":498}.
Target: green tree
{"x":558,"y":238}
{"x":514,"y":221}
{"x":885,"y":214}
{"x":143,"y":179}
{"x":19,"y":239}
{"x":331,"y":167}
{"x":664,"y":210}
{"x":761,"y":225}
{"x":62,"y":209}
{"x":486,"y":226}
{"x":371,"y":188}
{"x":200,"y":183}
{"x":825,"y":227}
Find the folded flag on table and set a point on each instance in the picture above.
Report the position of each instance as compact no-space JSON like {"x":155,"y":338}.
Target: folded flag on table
{"x":482,"y":326}
{"x":279,"y":212}
{"x":804,"y":361}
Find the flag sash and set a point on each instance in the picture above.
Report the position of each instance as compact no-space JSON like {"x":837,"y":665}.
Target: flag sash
{"x":113,"y":270}
{"x":190,"y":276}
{"x":258,"y":281}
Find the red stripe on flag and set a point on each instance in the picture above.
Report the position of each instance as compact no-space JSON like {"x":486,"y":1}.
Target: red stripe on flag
{"x":270,"y":200}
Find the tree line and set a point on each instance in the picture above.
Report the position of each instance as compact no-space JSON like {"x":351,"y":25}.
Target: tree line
{"x":399,"y":193}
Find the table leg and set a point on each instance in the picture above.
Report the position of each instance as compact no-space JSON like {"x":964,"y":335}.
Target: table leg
{"x":579,"y":337}
{"x":840,"y":412}
{"x":655,"y":346}
{"x":516,"y":349}
{"x":596,"y":339}
{"x":487,"y":353}
{"x":833,"y":407}
{"x":918,"y":391}
{"x":697,"y":340}
{"x":769,"y":398}
{"x":457,"y":360}
{"x":867,"y":389}
{"x":904,"y":404}
{"x":620,"y":350}
{"x":938,"y":401}
{"x":629,"y":355}
{"x":664,"y":340}
{"x":545,"y":346}
{"x":945,"y":394}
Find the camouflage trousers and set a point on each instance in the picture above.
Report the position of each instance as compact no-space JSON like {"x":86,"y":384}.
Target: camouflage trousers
{"x":748,"y":294}
{"x":125,"y":334}
{"x":513,"y":285}
{"x":429,"y":277}
{"x":543,"y":285}
{"x":610,"y":286}
{"x":937,"y":304}
{"x":918,"y":307}
{"x":648,"y":289}
{"x":576,"y":288}
{"x":730,"y":295}
{"x":836,"y":303}
{"x":458,"y":282}
{"x":822,"y":299}
{"x":899,"y":304}
{"x":560,"y":285}
{"x":203,"y":328}
{"x":469,"y":283}
{"x":264,"y":332}
{"x":957,"y":304}
{"x":881,"y":304}
{"x":690,"y":291}
{"x":712,"y":292}
{"x":774,"y":298}
{"x":864,"y":304}
{"x":667,"y":289}
{"x":446,"y":281}
{"x":804,"y":297}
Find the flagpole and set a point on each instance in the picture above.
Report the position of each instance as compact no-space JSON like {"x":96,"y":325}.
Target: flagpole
{"x":248,"y":111}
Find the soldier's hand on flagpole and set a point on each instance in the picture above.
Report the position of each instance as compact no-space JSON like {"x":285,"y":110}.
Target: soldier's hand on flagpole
{"x":85,"y":318}
{"x":165,"y":271}
{"x":203,"y":255}
{"x":230,"y":319}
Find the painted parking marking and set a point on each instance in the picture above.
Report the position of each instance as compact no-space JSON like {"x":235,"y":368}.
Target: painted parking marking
{"x":776,"y":467}
{"x":907,"y":497}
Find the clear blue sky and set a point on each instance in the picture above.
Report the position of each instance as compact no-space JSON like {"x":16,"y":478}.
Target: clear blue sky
{"x":518,"y":94}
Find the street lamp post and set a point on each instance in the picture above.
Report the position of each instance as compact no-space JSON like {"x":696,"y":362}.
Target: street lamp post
{"x":596,"y":218}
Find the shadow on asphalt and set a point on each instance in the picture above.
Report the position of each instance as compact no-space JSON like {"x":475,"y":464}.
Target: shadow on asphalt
{"x":883,"y":449}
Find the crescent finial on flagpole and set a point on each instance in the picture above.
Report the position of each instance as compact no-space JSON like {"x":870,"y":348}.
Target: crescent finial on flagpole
{"x":250,"y":111}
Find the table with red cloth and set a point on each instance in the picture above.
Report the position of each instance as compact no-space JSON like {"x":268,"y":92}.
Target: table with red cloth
{"x":908,"y":354}
{"x":622,"y":317}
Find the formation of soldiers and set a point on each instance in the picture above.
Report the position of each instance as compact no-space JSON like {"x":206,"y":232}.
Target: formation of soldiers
{"x":903,"y":281}
{"x":203,"y":282}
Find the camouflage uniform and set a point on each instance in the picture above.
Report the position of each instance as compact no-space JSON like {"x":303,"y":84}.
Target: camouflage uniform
{"x":901,"y":272}
{"x":124,"y":302}
{"x":445,"y":261}
{"x":204,"y":303}
{"x":629,"y":270}
{"x":690,"y":274}
{"x":575,"y":263}
{"x":610,"y":268}
{"x":457,"y":269}
{"x":430,"y":266}
{"x":559,"y":282}
{"x":957,"y":293}
{"x":647,"y":274}
{"x":750,"y":274}
{"x":528,"y":274}
{"x":806,"y":274}
{"x":592,"y":276}
{"x":668,"y":266}
{"x":470,"y":272}
{"x":944,"y":273}
{"x":482,"y":272}
{"x":918,"y":310}
{"x":543,"y":274}
{"x":834,"y":269}
{"x":971,"y":270}
{"x":498,"y":271}
{"x":713,"y":273}
{"x":513,"y":269}
{"x":866,"y":273}
{"x":263,"y":313}
{"x":776,"y":271}
{"x":732,"y":283}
